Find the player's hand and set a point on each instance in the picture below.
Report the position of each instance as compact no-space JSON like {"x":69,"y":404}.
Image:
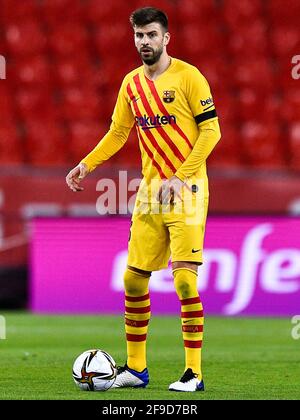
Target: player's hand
{"x":75,"y":176}
{"x":170,"y":189}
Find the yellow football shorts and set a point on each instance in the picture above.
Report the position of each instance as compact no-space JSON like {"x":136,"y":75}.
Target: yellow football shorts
{"x":160,"y":231}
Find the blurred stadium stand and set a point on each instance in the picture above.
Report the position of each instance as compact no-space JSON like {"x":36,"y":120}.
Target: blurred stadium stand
{"x":66,"y":60}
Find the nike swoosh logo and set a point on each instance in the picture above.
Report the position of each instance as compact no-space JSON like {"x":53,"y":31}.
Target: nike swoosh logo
{"x":189,"y":320}
{"x":195,"y":250}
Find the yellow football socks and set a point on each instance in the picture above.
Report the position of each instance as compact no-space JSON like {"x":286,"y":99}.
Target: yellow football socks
{"x":192,"y":319}
{"x":137,"y":316}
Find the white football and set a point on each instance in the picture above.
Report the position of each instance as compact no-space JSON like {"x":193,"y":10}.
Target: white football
{"x":94,"y":370}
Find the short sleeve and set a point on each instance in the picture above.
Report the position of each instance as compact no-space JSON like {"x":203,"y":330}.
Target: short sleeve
{"x":122,"y":115}
{"x":199,"y":96}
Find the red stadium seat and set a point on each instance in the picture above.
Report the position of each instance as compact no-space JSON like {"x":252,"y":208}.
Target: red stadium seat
{"x":129,"y":156}
{"x":294,"y":146}
{"x":263,"y":146}
{"x":253,"y":73}
{"x":272,"y":107}
{"x":68,"y":38}
{"x":84,"y":135}
{"x":99,"y":12}
{"x":6,"y":102}
{"x":250,"y":104}
{"x":195,"y":40}
{"x":284,"y":13}
{"x":197,"y":11}
{"x":34,"y":103}
{"x":253,"y":105}
{"x":32,"y":71}
{"x":227,"y":107}
{"x":3,"y":46}
{"x":107,"y":103}
{"x":72,"y":71}
{"x":216,"y":70}
{"x":80,"y":103}
{"x":251,"y":38}
{"x":111,"y":74}
{"x":291,"y":105}
{"x":11,"y":151}
{"x":46,"y":143}
{"x":60,"y":11}
{"x":25,"y":38}
{"x":228,"y":151}
{"x":13,"y":11}
{"x":285,"y":40}
{"x":244,"y":11}
{"x":112,"y":41}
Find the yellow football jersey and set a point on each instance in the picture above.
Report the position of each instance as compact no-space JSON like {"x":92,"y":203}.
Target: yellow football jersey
{"x":167,"y":114}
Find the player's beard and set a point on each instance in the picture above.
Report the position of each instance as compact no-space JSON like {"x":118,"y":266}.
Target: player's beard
{"x":153,"y":58}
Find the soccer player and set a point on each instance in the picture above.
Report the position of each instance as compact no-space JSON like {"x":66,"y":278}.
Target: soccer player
{"x":170,"y":103}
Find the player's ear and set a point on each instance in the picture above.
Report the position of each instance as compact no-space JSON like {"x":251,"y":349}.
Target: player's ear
{"x":167,"y":37}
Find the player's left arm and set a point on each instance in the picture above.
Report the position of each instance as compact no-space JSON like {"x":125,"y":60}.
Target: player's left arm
{"x":208,"y":138}
{"x":203,"y":109}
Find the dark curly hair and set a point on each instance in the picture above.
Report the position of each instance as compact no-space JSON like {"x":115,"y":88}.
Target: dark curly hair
{"x":146,"y":15}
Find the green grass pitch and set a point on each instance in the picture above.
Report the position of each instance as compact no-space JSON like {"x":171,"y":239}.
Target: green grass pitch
{"x":243,"y":358}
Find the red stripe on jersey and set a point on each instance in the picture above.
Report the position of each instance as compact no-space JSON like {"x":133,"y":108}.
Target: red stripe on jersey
{"x":150,"y":112}
{"x":150,"y":154}
{"x":164,"y":110}
{"x":192,"y":314}
{"x":134,"y":323}
{"x":193,"y":344}
{"x":190,"y":301}
{"x":143,"y":310}
{"x":130,"y":93}
{"x":152,"y":140}
{"x":136,"y":337}
{"x":137,"y":298}
{"x":192,"y":328}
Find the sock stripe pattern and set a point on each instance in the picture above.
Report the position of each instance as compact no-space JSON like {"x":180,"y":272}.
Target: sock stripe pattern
{"x":190,"y":301}
{"x":137,"y":298}
{"x":137,"y":315}
{"x":192,"y":319}
{"x":142,"y":310}
{"x":136,"y":323}
{"x":192,"y":314}
{"x":135,"y":337}
{"x":192,"y":322}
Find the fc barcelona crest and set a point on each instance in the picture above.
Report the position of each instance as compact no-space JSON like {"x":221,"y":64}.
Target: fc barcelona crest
{"x":169,"y":96}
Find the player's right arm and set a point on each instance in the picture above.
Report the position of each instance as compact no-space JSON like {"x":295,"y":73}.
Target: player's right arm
{"x":111,"y":143}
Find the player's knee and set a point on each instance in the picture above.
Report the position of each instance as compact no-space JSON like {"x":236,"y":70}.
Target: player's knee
{"x":183,"y":289}
{"x":185,"y":284}
{"x":135,"y":284}
{"x":133,"y":289}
